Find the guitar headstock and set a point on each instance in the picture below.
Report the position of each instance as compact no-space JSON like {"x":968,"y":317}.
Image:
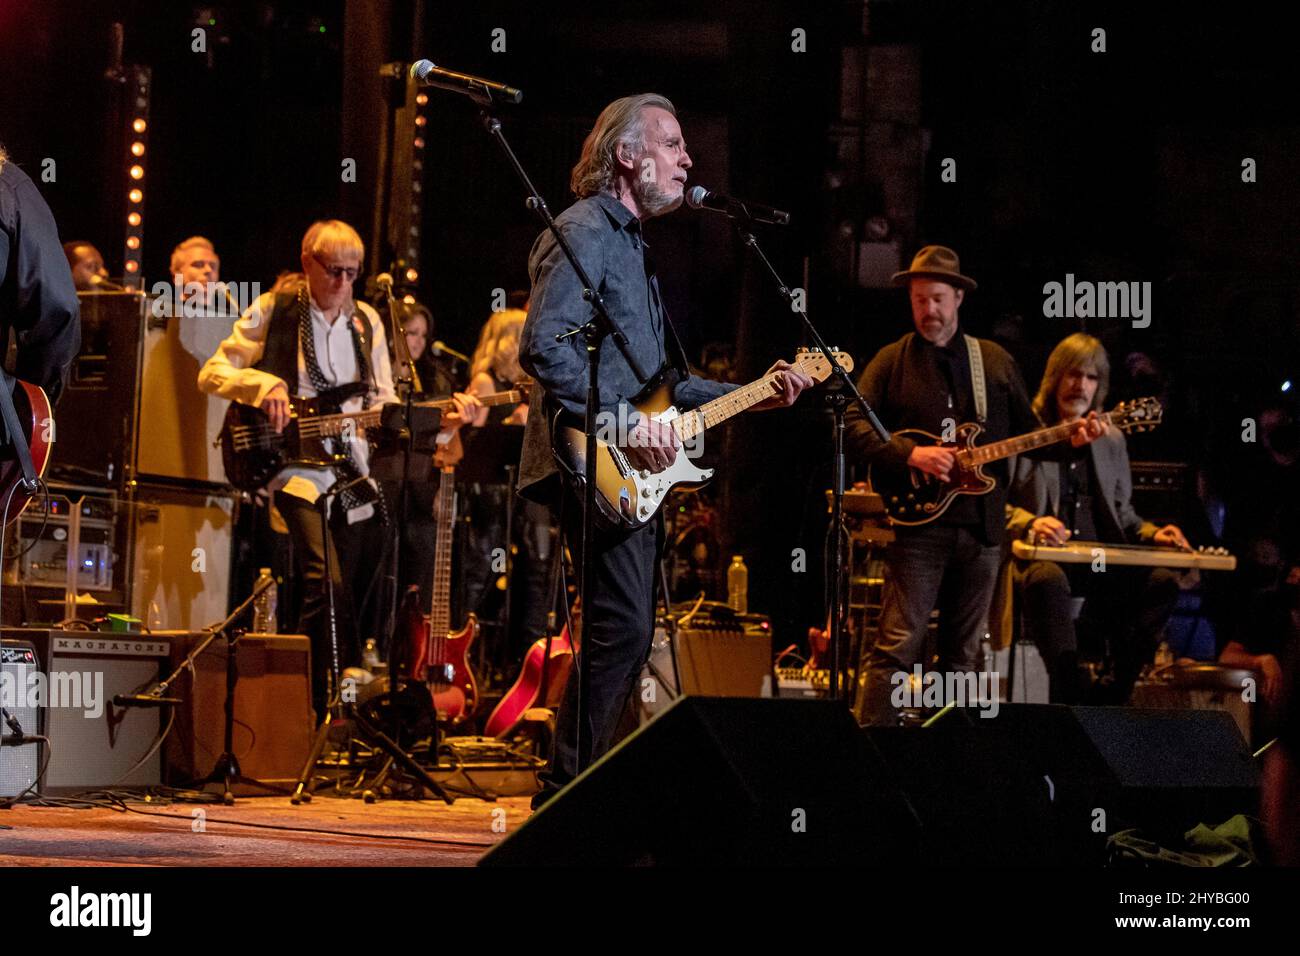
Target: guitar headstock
{"x":1138,"y":415}
{"x":813,"y":364}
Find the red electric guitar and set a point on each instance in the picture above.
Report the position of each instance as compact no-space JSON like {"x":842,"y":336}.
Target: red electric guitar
{"x":439,"y":657}
{"x":37,"y":421}
{"x":527,"y":691}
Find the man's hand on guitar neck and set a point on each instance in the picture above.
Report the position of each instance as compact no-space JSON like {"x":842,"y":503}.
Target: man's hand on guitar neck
{"x":787,"y":383}
{"x":276,"y":406}
{"x":1088,"y":430}
{"x":651,"y":445}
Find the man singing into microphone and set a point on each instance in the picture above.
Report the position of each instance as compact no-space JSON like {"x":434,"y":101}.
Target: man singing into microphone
{"x":633,"y":167}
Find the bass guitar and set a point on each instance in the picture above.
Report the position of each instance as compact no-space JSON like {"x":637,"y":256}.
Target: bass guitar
{"x":628,"y":497}
{"x":917,"y":498}
{"x":439,"y":656}
{"x":253,"y":452}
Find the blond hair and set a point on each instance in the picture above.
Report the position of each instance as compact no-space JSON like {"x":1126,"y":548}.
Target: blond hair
{"x":330,"y":236}
{"x":621,"y":123}
{"x":1072,"y":352}
{"x":497,"y":352}
{"x":192,"y":242}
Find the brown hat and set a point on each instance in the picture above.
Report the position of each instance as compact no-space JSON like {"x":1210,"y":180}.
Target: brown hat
{"x":935,"y":262}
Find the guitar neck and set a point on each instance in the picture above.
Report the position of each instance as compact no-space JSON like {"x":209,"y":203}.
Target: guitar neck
{"x":445,"y":512}
{"x":724,"y":407}
{"x":983,"y":454}
{"x":330,"y":426}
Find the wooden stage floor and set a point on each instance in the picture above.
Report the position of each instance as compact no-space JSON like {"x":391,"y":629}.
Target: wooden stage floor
{"x":330,"y":831}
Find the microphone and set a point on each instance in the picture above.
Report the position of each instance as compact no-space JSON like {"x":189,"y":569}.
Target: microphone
{"x":426,"y":73}
{"x":21,"y":740}
{"x":442,"y":348}
{"x":384,"y":281}
{"x":697,"y":197}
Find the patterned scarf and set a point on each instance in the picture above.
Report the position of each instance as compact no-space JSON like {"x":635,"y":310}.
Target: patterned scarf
{"x":345,"y":469}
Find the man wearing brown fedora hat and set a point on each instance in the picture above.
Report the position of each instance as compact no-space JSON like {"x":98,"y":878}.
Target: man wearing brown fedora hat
{"x":935,"y":379}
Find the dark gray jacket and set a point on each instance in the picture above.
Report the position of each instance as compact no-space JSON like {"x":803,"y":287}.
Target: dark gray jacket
{"x":606,"y":238}
{"x":1036,"y":491}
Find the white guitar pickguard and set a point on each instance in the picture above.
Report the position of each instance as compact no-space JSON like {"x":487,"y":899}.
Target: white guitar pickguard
{"x":652,"y":488}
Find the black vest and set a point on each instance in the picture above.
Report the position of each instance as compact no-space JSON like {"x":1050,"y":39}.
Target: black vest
{"x":280,"y":348}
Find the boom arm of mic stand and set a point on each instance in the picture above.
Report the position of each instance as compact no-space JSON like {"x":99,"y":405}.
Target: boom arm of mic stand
{"x":837,"y":370}
{"x":213,"y":632}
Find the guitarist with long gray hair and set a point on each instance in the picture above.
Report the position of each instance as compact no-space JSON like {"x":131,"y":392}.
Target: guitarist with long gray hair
{"x":936,"y":379}
{"x":633,"y":167}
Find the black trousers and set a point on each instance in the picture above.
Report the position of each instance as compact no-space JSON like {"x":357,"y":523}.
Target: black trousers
{"x":617,"y":628}
{"x":1124,"y":610}
{"x":356,"y":556}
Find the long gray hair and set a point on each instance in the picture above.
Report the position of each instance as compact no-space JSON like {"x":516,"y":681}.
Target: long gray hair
{"x":1074,"y":351}
{"x":620,"y":123}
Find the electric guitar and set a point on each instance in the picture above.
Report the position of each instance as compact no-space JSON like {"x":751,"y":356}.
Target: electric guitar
{"x":917,"y":498}
{"x":37,"y":421}
{"x":253,"y":452}
{"x":628,"y":497}
{"x":440,"y":657}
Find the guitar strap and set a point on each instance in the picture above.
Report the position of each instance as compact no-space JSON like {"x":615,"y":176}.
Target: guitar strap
{"x":14,"y":430}
{"x":977,"y":378}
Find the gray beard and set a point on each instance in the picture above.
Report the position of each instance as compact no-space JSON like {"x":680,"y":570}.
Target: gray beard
{"x":653,"y":199}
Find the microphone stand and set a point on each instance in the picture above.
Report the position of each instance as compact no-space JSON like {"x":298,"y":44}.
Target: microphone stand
{"x":336,"y":706}
{"x":594,"y":331}
{"x":226,"y":770}
{"x":839,"y":400}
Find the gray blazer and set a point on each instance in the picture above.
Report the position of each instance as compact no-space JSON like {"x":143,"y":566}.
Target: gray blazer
{"x":1036,"y":491}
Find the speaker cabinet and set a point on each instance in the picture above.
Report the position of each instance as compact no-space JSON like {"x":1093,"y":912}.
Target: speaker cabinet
{"x":19,"y":765}
{"x":726,"y":781}
{"x":181,"y":557}
{"x":93,"y":742}
{"x":177,"y":421}
{"x":274,"y":723}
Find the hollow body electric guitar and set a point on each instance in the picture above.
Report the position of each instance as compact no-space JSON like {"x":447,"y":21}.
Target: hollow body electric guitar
{"x":37,"y":421}
{"x":253,"y":452}
{"x":628,"y":497}
{"x":917,"y":498}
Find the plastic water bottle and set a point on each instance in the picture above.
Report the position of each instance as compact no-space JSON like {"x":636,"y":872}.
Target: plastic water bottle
{"x":738,"y":585}
{"x":265,"y":605}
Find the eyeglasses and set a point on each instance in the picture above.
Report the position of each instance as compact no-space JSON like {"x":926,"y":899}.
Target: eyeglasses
{"x":338,"y":272}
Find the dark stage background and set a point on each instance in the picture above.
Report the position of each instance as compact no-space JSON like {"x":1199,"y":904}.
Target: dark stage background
{"x":1117,"y":166}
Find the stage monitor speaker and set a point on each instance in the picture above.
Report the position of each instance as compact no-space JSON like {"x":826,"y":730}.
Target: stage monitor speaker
{"x":274,"y":723}
{"x":1162,"y":771}
{"x":181,"y":557}
{"x":19,"y":765}
{"x":1175,"y":768}
{"x":93,"y":742}
{"x":726,"y":781}
{"x":96,"y":416}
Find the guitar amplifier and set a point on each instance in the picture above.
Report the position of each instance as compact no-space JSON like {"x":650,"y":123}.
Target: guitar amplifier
{"x":19,"y":765}
{"x":94,"y":743}
{"x":719,"y":654}
{"x":274,"y":722}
